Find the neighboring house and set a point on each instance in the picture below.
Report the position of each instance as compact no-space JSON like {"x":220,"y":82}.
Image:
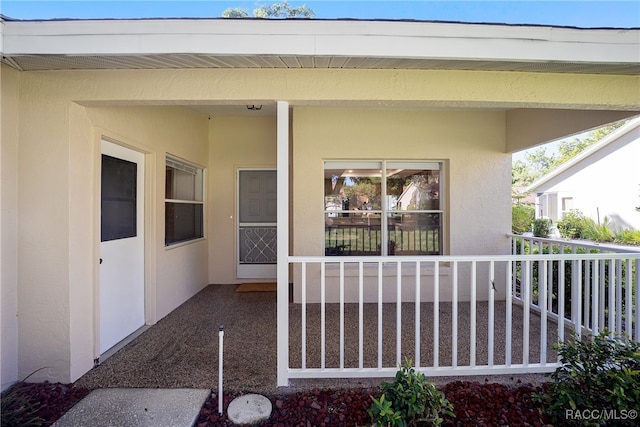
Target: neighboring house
{"x":603,"y":182}
{"x":144,"y":159}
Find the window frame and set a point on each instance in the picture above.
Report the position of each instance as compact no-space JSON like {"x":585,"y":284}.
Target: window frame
{"x":199,"y":192}
{"x":385,"y":211}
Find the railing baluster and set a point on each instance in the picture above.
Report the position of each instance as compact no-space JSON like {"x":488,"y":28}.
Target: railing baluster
{"x":595,"y":328}
{"x":561,"y":299}
{"x":542,"y":300}
{"x":550,"y":287}
{"x":454,"y":315}
{"x":436,"y":314}
{"x":586,"y":304}
{"x":379,"y":314}
{"x":637,"y":292}
{"x":492,"y":286}
{"x":619,"y":296}
{"x":341,"y":315}
{"x":627,"y":299}
{"x":578,"y":300}
{"x":612,"y":301}
{"x":417,"y":315}
{"x":509,"y":314}
{"x":527,"y":313}
{"x":322,"y":314}
{"x":360,"y":315}
{"x":472,"y":305}
{"x":398,"y":313}
{"x":603,"y":295}
{"x":303,"y":320}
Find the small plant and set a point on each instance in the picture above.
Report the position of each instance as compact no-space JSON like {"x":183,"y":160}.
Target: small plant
{"x":571,"y":225}
{"x":522,"y":216}
{"x":600,"y":373}
{"x":628,"y":237}
{"x":383,"y":414}
{"x":542,"y":227}
{"x":598,"y":232}
{"x":409,"y":400}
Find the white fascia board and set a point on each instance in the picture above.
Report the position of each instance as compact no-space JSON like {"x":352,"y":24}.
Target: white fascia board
{"x":382,"y":39}
{"x":613,"y":136}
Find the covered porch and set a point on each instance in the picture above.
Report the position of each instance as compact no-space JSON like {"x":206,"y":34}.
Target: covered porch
{"x":500,"y":326}
{"x":181,"y":350}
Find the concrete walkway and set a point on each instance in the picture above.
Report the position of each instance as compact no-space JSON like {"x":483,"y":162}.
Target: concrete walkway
{"x":136,"y":407}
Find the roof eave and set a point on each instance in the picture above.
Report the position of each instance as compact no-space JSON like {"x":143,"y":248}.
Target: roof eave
{"x":375,"y":39}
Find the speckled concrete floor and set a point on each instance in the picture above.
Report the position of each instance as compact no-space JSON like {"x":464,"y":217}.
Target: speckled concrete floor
{"x":181,"y":350}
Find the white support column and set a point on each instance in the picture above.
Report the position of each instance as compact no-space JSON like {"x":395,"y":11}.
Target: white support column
{"x":283,"y":243}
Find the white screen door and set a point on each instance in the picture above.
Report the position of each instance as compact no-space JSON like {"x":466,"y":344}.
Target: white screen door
{"x":257,"y":218}
{"x":121,"y":244}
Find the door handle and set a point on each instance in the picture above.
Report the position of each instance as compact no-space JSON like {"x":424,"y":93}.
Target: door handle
{"x":100,"y":260}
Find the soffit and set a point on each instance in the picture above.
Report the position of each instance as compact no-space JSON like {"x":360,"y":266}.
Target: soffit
{"x":194,"y":61}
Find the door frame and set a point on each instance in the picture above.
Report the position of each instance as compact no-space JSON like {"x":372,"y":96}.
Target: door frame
{"x":237,"y":224}
{"x":150,"y":316}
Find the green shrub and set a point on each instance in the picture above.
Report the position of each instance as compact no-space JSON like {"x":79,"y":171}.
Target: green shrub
{"x":600,"y":373}
{"x":627,"y":237}
{"x":574,"y":225}
{"x":571,"y":225}
{"x":409,"y":399}
{"x":597,"y":232}
{"x":541,"y":227}
{"x":522,"y":217}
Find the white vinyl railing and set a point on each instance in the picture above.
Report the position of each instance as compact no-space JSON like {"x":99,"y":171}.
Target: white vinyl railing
{"x":602,"y":289}
{"x":451,"y":315}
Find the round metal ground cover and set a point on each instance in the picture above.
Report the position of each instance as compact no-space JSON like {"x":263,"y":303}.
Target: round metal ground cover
{"x":249,"y":409}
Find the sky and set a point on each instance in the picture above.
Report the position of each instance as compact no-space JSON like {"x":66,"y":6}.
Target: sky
{"x":575,"y":13}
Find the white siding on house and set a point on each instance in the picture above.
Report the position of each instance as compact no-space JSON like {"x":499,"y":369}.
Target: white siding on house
{"x":603,"y":182}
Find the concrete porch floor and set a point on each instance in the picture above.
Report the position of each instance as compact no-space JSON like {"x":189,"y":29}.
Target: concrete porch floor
{"x":181,"y":350}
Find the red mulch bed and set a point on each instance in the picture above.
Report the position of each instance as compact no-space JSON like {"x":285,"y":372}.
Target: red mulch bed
{"x":38,"y":404}
{"x":475,"y":404}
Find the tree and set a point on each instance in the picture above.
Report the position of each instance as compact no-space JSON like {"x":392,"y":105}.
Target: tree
{"x":271,"y":11}
{"x":235,"y":12}
{"x":537,"y":163}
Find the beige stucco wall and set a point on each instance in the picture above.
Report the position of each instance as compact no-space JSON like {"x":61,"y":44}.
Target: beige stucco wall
{"x":57,"y":118}
{"x":469,"y":143}
{"x":58,"y":231}
{"x":8,"y":225}
{"x":235,"y":142}
{"x":180,"y":271}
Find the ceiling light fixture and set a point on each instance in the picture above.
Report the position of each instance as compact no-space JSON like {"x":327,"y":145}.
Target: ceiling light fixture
{"x":254,"y":107}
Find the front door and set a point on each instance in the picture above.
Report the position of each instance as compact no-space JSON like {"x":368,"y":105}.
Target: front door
{"x":121,"y":298}
{"x":257,"y":218}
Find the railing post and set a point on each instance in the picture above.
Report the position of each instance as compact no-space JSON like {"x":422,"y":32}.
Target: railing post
{"x":282,"y":309}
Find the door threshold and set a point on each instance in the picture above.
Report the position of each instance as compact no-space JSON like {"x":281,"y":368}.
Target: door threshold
{"x":113,"y":350}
